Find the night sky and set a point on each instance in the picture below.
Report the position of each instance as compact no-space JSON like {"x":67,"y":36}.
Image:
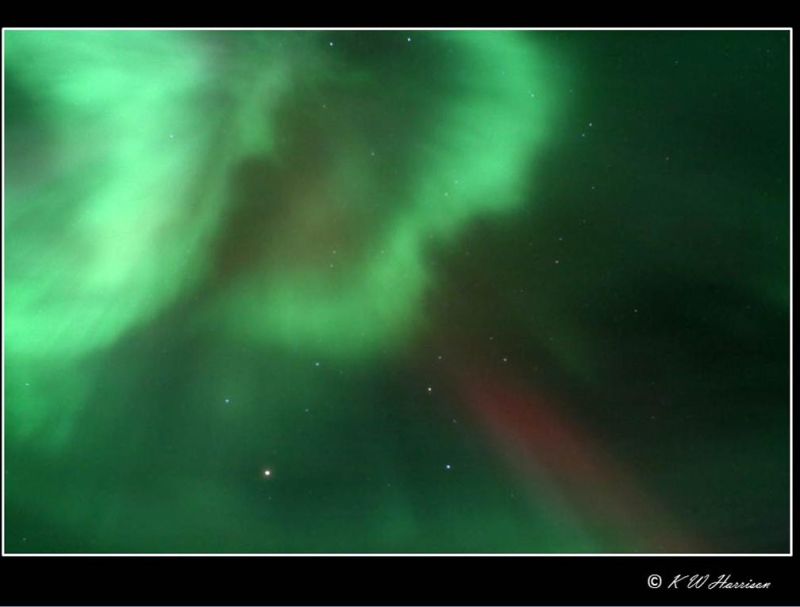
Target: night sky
{"x":396,"y":291}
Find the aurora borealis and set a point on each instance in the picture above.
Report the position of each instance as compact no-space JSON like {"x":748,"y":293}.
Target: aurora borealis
{"x":396,"y":291}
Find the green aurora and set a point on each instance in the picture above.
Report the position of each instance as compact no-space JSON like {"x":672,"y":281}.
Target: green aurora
{"x":305,"y":252}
